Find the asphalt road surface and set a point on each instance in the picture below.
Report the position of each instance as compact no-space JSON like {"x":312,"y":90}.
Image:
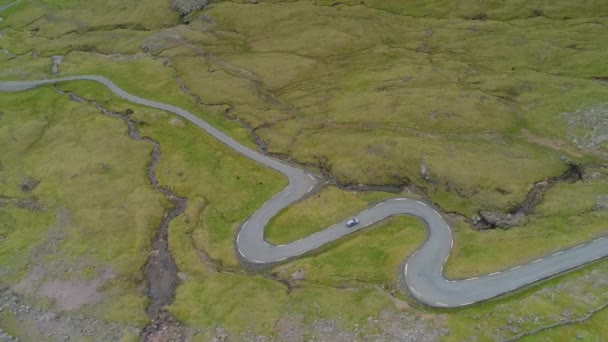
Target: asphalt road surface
{"x":3,"y":7}
{"x":422,"y":272}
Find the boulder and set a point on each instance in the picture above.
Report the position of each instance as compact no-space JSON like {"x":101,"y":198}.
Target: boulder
{"x":185,"y":7}
{"x":492,"y":219}
{"x":601,"y":203}
{"x":28,"y":184}
{"x":298,"y":274}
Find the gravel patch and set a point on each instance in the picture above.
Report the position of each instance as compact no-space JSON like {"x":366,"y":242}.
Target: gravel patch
{"x":389,"y":325}
{"x":601,"y":203}
{"x":185,"y":7}
{"x":74,"y":293}
{"x":588,"y":126}
{"x":56,"y":326}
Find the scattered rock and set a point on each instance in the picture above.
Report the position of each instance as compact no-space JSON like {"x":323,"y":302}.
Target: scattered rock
{"x":566,"y":160}
{"x":74,"y":98}
{"x":185,"y":7}
{"x":601,"y":203}
{"x":588,"y":127}
{"x":206,"y":19}
{"x":299,"y":274}
{"x":32,"y":203}
{"x":164,"y":328}
{"x":73,"y":294}
{"x":501,"y":220}
{"x":161,"y":41}
{"x":4,"y":336}
{"x":105,"y":167}
{"x":534,"y":197}
{"x":54,"y":326}
{"x":177,"y":122}
{"x":57,"y":59}
{"x":425,"y":172}
{"x":220,"y":335}
{"x":28,"y":184}
{"x":290,"y":328}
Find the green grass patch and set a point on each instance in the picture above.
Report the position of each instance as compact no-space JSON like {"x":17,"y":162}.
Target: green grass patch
{"x":564,"y":219}
{"x":69,"y":147}
{"x":368,"y":90}
{"x":197,"y":166}
{"x":369,"y":256}
{"x":318,"y":212}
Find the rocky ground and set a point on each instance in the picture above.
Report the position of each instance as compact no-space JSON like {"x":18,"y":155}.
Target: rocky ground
{"x":56,"y":324}
{"x":60,"y":325}
{"x":388,"y":326}
{"x":588,"y":127}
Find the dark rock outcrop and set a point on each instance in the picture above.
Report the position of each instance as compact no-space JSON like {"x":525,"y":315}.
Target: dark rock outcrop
{"x":28,"y":184}
{"x":185,"y":7}
{"x":517,"y":216}
{"x":491,"y":219}
{"x":601,"y":203}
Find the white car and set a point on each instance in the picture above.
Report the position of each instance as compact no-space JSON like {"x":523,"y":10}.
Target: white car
{"x":352,"y":222}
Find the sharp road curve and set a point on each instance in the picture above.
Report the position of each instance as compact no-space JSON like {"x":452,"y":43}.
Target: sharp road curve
{"x":422,"y":272}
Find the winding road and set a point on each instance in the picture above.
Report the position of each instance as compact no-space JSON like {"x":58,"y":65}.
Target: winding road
{"x":3,"y":7}
{"x":422,"y":272}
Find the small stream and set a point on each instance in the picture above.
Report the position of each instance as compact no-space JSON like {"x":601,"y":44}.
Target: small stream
{"x":160,"y":270}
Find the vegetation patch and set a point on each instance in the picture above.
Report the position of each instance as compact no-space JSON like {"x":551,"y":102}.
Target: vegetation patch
{"x":486,"y":98}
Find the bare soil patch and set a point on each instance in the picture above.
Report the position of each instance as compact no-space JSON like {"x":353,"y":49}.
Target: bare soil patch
{"x":73,"y":294}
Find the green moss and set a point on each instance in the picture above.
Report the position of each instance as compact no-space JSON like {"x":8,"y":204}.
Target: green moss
{"x":222,"y":299}
{"x":224,"y":173}
{"x":367,"y":90}
{"x":54,"y":19}
{"x":68,"y":147}
{"x":350,"y":307}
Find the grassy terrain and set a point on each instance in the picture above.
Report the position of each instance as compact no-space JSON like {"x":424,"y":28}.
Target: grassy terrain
{"x":447,"y":91}
{"x":565,"y":219}
{"x":592,"y":330}
{"x":428,"y":98}
{"x":324,"y":209}
{"x":208,"y":297}
{"x":69,"y":147}
{"x":334,"y":267}
{"x":52,"y":19}
{"x":231,"y":186}
{"x":367,"y":92}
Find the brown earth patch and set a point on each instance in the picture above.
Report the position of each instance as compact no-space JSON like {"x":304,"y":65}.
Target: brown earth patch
{"x":74,"y":293}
